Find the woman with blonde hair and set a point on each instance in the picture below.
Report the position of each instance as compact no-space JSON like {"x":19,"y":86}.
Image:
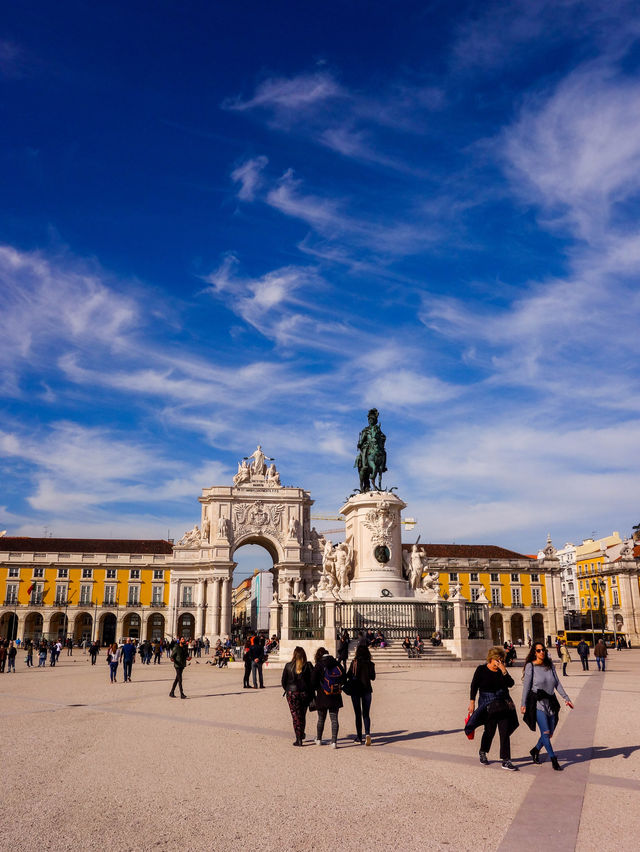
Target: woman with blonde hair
{"x":495,"y":707}
{"x":296,"y":682}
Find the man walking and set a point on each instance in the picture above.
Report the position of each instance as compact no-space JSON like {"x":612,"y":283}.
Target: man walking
{"x":94,"y":651}
{"x":583,"y":653}
{"x":257,"y":654}
{"x":180,"y":656}
{"x":11,"y":657}
{"x":128,"y":655}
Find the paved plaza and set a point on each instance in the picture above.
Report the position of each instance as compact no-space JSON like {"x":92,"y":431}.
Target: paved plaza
{"x":90,"y":765}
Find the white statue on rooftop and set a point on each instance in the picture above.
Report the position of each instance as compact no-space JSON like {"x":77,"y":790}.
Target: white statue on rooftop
{"x":190,"y":537}
{"x":243,"y":474}
{"x":258,"y":465}
{"x":273,"y":477}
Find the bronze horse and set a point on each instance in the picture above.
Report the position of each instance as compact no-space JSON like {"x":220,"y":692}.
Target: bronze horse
{"x":371,"y":460}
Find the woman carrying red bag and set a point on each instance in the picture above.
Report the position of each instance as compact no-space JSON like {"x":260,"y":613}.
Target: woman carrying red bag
{"x":495,"y":707}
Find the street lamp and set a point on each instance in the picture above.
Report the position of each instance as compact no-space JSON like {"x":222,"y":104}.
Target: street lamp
{"x":599,"y":587}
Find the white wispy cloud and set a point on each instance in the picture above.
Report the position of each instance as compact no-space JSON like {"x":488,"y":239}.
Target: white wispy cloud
{"x":331,"y":218}
{"x":45,"y":301}
{"x":576,"y":152}
{"x":249,"y":176}
{"x":286,"y":94}
{"x":493,"y":476}
{"x":319,"y":108}
{"x":77,"y":469}
{"x":503,"y":35}
{"x":573,"y":153}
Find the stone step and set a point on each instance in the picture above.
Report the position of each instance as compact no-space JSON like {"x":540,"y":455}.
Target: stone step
{"x":427,"y":656}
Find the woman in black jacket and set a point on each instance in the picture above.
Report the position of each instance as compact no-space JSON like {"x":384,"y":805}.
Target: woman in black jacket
{"x":361,"y":672}
{"x":328,"y":680}
{"x":495,"y":707}
{"x":296,"y":682}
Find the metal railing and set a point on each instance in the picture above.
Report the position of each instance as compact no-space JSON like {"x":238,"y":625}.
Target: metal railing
{"x":474,"y":621}
{"x":307,"y":620}
{"x":446,"y":620}
{"x":395,"y":620}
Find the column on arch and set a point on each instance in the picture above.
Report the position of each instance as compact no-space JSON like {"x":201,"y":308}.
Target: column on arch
{"x":225,"y":615}
{"x":199,"y":627}
{"x":213,"y":607}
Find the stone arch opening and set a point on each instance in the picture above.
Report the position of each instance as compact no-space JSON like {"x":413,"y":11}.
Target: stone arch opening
{"x":82,"y":627}
{"x":537,"y":627}
{"x":131,"y":626}
{"x":517,"y":628}
{"x":9,"y":626}
{"x":107,"y":630}
{"x":497,"y":628}
{"x":155,"y":627}
{"x":186,"y":626}
{"x":58,"y":626}
{"x":33,"y":626}
{"x":255,"y":579}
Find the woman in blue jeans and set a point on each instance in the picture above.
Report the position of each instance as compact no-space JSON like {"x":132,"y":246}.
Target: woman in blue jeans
{"x":361,"y":672}
{"x":113,"y":658}
{"x":539,"y":703}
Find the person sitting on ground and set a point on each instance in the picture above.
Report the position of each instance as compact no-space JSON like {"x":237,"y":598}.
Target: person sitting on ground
{"x":408,"y":647}
{"x":436,"y":638}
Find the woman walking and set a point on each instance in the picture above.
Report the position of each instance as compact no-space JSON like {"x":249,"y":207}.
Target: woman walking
{"x":113,"y":658}
{"x":495,"y":708}
{"x":328,"y":679}
{"x":565,"y":657}
{"x":600,"y":653}
{"x":361,"y":672}
{"x":539,"y":703}
{"x":296,"y":682}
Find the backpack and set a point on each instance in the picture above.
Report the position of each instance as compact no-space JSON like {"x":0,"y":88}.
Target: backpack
{"x":332,"y":681}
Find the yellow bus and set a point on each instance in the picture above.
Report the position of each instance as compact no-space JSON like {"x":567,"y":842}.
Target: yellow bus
{"x":574,"y":637}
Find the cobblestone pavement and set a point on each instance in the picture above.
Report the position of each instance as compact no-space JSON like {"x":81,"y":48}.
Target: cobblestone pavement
{"x":89,"y":765}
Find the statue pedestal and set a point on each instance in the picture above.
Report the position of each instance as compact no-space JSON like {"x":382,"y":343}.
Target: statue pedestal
{"x":374,"y":531}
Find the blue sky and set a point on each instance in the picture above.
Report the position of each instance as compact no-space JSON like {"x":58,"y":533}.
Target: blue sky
{"x":231,"y":223}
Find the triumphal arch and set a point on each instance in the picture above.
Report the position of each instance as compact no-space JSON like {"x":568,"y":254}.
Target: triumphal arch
{"x":256,"y":509}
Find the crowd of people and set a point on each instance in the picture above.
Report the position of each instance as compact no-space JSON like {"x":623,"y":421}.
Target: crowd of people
{"x":319,"y":686}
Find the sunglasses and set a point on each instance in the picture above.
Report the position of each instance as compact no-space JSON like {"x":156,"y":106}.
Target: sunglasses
{"x":540,"y":650}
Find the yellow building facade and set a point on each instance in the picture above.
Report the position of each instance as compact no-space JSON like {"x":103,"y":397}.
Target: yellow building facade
{"x":609,"y":584}
{"x":518,"y":589}
{"x":85,"y":589}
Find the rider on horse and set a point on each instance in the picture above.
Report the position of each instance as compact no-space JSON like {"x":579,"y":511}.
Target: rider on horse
{"x":371,"y":460}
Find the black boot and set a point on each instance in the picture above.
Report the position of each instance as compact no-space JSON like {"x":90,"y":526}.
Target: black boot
{"x":535,"y":754}
{"x":555,"y":764}
{"x":298,"y":742}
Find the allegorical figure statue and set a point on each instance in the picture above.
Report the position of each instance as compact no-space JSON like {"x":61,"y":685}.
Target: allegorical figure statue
{"x":258,"y":466}
{"x":371,"y":460}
